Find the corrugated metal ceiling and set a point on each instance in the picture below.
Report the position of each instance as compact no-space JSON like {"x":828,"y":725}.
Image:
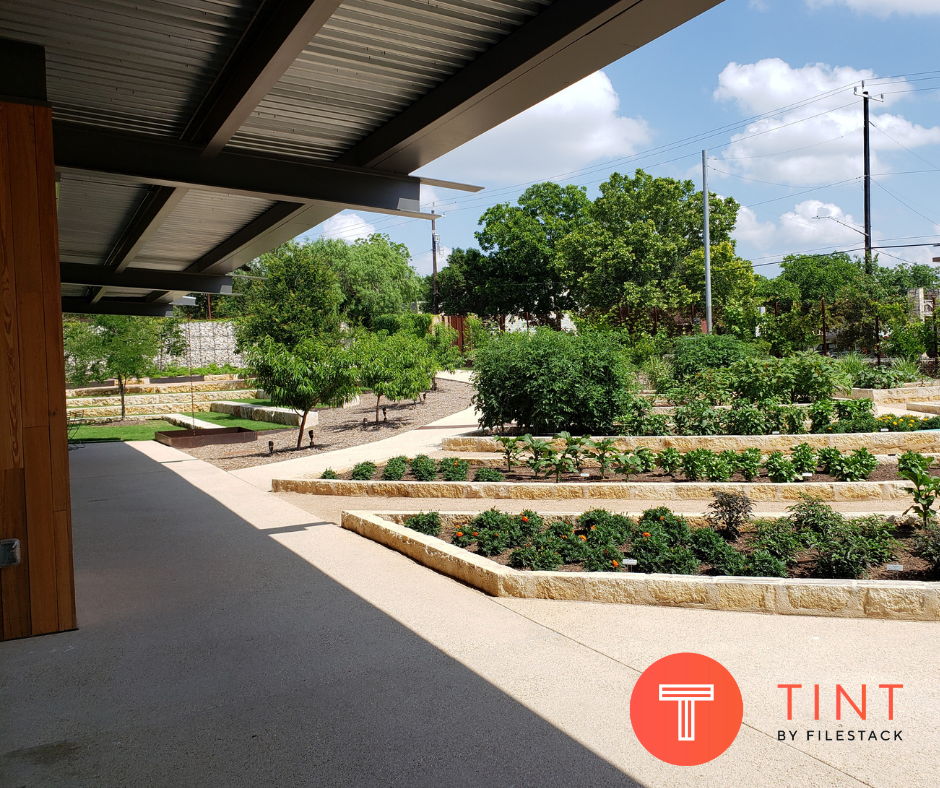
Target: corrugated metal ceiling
{"x":373,"y":59}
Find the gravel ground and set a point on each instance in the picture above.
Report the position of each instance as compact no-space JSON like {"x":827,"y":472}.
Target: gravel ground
{"x":341,"y":428}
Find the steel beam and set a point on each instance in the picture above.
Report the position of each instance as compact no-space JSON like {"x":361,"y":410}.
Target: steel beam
{"x":161,"y":162}
{"x":275,"y":38}
{"x":115,"y":306}
{"x":143,"y":279}
{"x":564,"y":43}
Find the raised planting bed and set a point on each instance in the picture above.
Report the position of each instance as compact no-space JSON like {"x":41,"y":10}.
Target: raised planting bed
{"x":651,"y":491}
{"x":876,"y":442}
{"x":898,"y":395}
{"x":191,"y":439}
{"x":879,"y":599}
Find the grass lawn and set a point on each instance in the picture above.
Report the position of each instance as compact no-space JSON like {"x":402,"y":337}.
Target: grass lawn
{"x":94,"y":433}
{"x":227,"y":420}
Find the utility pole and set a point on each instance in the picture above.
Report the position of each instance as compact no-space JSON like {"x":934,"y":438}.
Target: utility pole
{"x":866,"y":132}
{"x":434,"y":244}
{"x":707,"y":241}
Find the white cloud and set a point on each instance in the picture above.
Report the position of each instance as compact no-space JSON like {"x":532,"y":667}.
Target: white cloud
{"x":816,"y":143}
{"x":799,"y":230}
{"x":884,"y":8}
{"x":572,"y":129}
{"x":349,"y":227}
{"x":433,"y":201}
{"x":758,"y":5}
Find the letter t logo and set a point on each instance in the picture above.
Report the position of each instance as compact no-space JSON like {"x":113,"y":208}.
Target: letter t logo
{"x":686,"y":695}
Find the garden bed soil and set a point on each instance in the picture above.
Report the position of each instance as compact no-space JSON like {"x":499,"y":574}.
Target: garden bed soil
{"x":915,"y":568}
{"x":885,"y":472}
{"x":340,"y":428}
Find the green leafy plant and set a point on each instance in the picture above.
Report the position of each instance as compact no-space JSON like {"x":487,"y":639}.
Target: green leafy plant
{"x":627,"y":465}
{"x":698,"y":418}
{"x":576,"y":448}
{"x":925,"y":492}
{"x":749,"y":463}
{"x":494,"y":532}
{"x":854,"y":467}
{"x":761,"y":563}
{"x":484,"y":474}
{"x":363,"y":471}
{"x":604,"y":558}
{"x":829,"y":457}
{"x":746,"y":419}
{"x":329,"y":473}
{"x":604,"y":450}
{"x":646,"y":460}
{"x":696,"y":463}
{"x":423,"y":468}
{"x":670,"y":460}
{"x":778,"y":538}
{"x":395,"y":469}
{"x":803,"y":457}
{"x":821,"y":413}
{"x":793,"y":419}
{"x":719,"y":467}
{"x":913,"y":461}
{"x":512,"y":450}
{"x":428,"y":523}
{"x":927,"y":545}
{"x":452,"y":469}
{"x":560,"y":463}
{"x":780,"y":469}
{"x":661,"y":544}
{"x":730,"y":512}
{"x":849,"y":549}
{"x":848,"y":409}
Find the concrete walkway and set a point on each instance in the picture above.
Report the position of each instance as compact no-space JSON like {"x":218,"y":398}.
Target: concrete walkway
{"x":230,"y":639}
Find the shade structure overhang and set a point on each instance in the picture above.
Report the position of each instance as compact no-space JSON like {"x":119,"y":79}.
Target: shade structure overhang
{"x":191,"y":137}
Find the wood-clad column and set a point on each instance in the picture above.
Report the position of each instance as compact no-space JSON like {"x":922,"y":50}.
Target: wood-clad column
{"x":38,"y":595}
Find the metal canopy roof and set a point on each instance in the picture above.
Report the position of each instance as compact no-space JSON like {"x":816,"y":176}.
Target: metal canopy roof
{"x":193,"y":135}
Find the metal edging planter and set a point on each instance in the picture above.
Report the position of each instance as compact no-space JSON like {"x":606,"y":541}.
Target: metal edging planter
{"x":191,"y":439}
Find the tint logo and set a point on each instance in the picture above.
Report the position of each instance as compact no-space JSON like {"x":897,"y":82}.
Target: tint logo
{"x":686,"y":709}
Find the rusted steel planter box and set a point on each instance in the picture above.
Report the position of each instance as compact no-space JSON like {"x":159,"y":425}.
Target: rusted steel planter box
{"x":191,"y":439}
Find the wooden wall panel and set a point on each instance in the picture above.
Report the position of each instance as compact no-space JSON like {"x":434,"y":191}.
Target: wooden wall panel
{"x":38,"y":596}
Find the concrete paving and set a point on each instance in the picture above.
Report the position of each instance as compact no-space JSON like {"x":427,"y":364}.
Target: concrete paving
{"x":229,"y":638}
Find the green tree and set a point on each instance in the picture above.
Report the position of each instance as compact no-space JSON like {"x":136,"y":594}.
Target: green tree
{"x":520,"y":245}
{"x":641,"y":229}
{"x":464,"y":286}
{"x":315,"y":372}
{"x":733,"y":304}
{"x":117,"y":346}
{"x":396,"y":366}
{"x":375,"y":278}
{"x":299,"y":298}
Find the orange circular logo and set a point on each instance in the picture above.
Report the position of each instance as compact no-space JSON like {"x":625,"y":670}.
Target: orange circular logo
{"x":686,"y":709}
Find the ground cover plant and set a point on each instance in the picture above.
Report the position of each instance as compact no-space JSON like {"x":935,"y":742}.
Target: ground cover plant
{"x":810,"y":540}
{"x":124,"y":431}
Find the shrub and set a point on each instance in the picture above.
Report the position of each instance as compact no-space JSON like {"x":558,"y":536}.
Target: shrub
{"x":848,"y":409}
{"x":654,"y":554}
{"x":878,"y":378}
{"x":811,"y":516}
{"x":329,"y":473}
{"x":600,"y":527}
{"x":453,"y":470}
{"x":719,"y":467}
{"x":607,"y":558}
{"x":698,"y":418}
{"x":425,"y":523}
{"x":395,"y":469}
{"x":803,"y":457}
{"x":485,"y":474}
{"x":848,"y":549}
{"x":696,"y":463}
{"x":464,"y":537}
{"x":526,"y":525}
{"x":829,"y":457}
{"x":730,"y":512}
{"x":539,"y":556}
{"x":913,"y":461}
{"x":793,"y":419}
{"x":645,"y":459}
{"x":651,"y":424}
{"x":707,"y":351}
{"x":927,"y":545}
{"x":749,"y":463}
{"x":494,"y":532}
{"x":746,"y":419}
{"x":854,"y":467}
{"x":364,"y":471}
{"x":423,"y":468}
{"x":627,"y":465}
{"x":710,"y":548}
{"x":550,"y":381}
{"x":820,"y":414}
{"x":780,"y":469}
{"x":670,"y":460}
{"x":761,"y":563}
{"x":661,"y":518}
{"x":777,"y":538}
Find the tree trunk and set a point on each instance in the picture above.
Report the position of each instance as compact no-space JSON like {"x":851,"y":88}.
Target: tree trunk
{"x":120,"y":382}
{"x":300,"y":431}
{"x":378,"y":398}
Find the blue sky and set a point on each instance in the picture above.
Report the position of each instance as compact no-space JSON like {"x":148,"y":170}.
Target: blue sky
{"x":792,"y":65}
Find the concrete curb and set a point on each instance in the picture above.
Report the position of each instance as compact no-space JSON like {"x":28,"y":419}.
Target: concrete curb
{"x":878,"y":599}
{"x":876,"y":442}
{"x":649,"y":491}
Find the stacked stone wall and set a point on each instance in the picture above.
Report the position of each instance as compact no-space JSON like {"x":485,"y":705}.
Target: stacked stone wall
{"x":210,"y":342}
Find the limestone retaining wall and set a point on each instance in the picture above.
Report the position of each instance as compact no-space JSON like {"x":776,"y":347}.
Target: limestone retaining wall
{"x":898,"y":599}
{"x":651,"y":491}
{"x":898,"y":395}
{"x":876,"y":442}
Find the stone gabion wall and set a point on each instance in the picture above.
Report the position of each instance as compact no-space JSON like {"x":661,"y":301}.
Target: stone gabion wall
{"x":210,"y":342}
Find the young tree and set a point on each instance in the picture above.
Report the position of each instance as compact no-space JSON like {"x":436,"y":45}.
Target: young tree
{"x":314,"y":373}
{"x":376,"y":279}
{"x":298,"y":300}
{"x":119,"y":347}
{"x":396,"y":367}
